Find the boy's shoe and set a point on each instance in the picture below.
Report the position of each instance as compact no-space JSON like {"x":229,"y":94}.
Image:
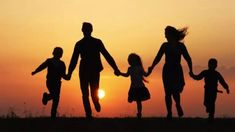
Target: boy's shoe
{"x":44,"y":98}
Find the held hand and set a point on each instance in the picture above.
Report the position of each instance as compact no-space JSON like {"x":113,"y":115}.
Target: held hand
{"x":227,"y":90}
{"x":67,"y":77}
{"x":191,"y":74}
{"x":117,"y":72}
{"x":33,"y":73}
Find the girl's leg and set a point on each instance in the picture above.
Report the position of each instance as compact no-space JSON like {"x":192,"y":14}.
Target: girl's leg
{"x":139,"y":109}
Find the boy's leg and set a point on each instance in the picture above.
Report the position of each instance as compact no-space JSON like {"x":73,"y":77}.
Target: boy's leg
{"x":55,"y":96}
{"x":176,"y":97}
{"x":94,"y":84}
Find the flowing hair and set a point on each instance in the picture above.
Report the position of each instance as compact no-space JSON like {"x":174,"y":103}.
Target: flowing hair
{"x":177,"y":34}
{"x":135,"y":60}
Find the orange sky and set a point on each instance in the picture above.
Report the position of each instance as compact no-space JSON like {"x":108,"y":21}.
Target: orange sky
{"x":31,"y":29}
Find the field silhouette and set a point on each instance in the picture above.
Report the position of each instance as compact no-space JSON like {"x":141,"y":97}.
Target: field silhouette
{"x":116,"y":125}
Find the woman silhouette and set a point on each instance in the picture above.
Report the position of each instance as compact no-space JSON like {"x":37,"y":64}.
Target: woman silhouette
{"x":173,"y":78}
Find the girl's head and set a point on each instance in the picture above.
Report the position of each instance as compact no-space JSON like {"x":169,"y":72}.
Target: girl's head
{"x":173,"y":34}
{"x":57,"y":52}
{"x":134,"y":60}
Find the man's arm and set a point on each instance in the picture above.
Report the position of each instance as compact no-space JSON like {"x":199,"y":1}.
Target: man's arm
{"x":73,"y":61}
{"x":109,"y":58}
{"x":41,"y":67}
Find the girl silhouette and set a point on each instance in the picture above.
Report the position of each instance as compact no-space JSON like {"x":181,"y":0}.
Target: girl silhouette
{"x":173,"y":78}
{"x":137,"y":92}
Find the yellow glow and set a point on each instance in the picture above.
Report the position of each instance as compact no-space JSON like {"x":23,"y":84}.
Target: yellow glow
{"x":101,"y":93}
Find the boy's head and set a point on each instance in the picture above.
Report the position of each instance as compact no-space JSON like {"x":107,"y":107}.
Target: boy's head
{"x":212,"y":63}
{"x":57,"y":52}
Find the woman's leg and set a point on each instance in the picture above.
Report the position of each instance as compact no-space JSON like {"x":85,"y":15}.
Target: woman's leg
{"x":176,"y":97}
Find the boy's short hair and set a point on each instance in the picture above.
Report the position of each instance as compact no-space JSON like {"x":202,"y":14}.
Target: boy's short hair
{"x":212,"y":63}
{"x":58,"y":52}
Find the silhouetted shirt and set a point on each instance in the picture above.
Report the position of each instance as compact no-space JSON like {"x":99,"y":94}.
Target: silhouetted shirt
{"x":211,"y":78}
{"x":55,"y":69}
{"x":90,"y":48}
{"x":173,"y":53}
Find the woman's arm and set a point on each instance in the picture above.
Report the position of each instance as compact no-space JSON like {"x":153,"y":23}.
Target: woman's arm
{"x":157,"y":58}
{"x":187,"y":57}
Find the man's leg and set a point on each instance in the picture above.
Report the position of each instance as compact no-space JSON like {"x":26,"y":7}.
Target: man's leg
{"x":85,"y":94}
{"x":94,"y":84}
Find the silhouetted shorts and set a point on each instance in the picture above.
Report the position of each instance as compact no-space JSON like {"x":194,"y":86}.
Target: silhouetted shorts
{"x":54,"y":88}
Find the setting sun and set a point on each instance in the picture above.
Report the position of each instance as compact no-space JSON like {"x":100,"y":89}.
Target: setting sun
{"x":101,"y":93}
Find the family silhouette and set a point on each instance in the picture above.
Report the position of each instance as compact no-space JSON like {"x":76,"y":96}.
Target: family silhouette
{"x":89,"y":49}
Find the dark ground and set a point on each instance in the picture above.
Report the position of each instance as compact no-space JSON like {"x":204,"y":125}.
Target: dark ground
{"x":116,"y":125}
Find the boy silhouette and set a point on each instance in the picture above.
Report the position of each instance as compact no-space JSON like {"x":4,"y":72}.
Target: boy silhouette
{"x":211,"y":78}
{"x":55,"y":71}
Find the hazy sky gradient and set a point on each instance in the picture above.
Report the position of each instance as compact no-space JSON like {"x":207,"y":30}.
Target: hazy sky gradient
{"x":30,"y":29}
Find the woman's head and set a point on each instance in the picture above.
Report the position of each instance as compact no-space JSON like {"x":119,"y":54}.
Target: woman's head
{"x":173,"y":34}
{"x":134,"y":60}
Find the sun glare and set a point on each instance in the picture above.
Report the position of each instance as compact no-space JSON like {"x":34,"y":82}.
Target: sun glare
{"x":101,"y":93}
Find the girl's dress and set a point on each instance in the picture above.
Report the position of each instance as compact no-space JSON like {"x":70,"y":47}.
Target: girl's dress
{"x":137,"y":91}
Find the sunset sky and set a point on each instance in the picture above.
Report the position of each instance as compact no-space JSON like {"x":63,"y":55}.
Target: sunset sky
{"x":30,"y":29}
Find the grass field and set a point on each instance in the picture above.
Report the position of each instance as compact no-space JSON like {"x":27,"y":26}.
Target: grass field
{"x":116,"y":125}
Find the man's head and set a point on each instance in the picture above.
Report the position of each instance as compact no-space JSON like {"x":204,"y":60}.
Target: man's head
{"x":57,"y":52}
{"x":87,"y":29}
{"x":212,"y":64}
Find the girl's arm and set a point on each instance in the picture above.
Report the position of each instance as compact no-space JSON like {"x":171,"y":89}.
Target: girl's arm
{"x":125,"y":74}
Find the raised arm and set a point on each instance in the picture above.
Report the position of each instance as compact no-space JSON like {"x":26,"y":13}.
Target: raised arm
{"x":187,"y":57}
{"x":41,"y":67}
{"x":74,"y":60}
{"x":108,"y":57}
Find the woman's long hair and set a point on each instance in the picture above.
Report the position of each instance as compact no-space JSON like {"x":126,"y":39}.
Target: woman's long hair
{"x":177,"y":34}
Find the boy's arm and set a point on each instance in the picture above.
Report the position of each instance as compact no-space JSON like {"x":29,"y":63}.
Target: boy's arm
{"x":41,"y":67}
{"x":197,"y":77}
{"x":223,"y":83}
{"x":64,"y":76}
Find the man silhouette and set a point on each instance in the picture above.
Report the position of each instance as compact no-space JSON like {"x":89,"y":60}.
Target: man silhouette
{"x":89,"y":48}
